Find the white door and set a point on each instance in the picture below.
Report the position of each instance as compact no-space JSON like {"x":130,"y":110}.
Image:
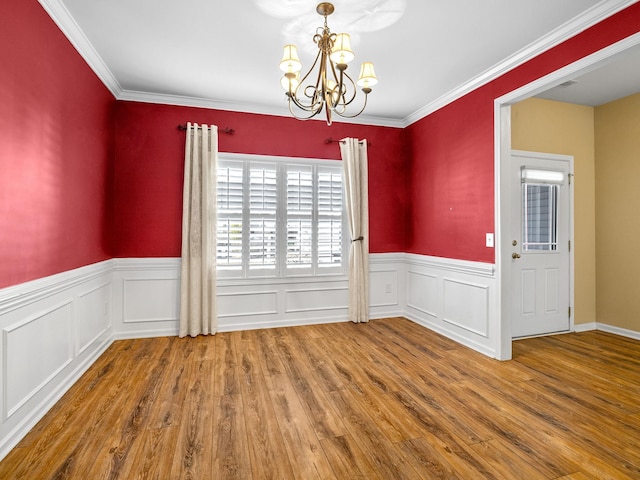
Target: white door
{"x":540,"y":258}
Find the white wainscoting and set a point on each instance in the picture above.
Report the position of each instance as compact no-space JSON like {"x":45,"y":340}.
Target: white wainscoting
{"x":53,"y":329}
{"x":453,"y":297}
{"x":147,"y":291}
{"x":456,"y":298}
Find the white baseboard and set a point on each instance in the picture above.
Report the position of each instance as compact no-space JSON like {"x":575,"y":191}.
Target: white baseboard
{"x":585,"y":327}
{"x":623,"y":332}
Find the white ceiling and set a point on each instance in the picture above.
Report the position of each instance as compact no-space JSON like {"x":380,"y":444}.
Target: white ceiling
{"x":616,"y":77}
{"x":226,"y":54}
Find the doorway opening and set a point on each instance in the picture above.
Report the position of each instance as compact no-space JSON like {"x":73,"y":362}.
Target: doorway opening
{"x":503,"y":175}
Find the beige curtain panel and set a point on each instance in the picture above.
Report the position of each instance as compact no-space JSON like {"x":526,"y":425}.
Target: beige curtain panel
{"x":198,"y":314}
{"x":354,"y":162}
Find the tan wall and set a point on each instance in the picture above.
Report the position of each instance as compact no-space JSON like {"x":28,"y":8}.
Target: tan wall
{"x":553,"y":127}
{"x":617,"y":126}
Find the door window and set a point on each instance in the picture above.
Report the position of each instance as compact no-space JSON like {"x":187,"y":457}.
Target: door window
{"x":539,"y":217}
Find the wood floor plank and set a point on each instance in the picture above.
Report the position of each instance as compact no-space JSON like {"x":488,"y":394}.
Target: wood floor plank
{"x":577,"y":476}
{"x":112,"y":458}
{"x":428,"y":391}
{"x":167,"y":409}
{"x":306,"y":455}
{"x":225,"y":371}
{"x":311,"y":352}
{"x":348,"y":459}
{"x":268,"y":456}
{"x":192,"y":454}
{"x":427,"y":460}
{"x":270,"y":363}
{"x":557,"y":437}
{"x":526,"y":442}
{"x":506,"y":462}
{"x":387,"y":399}
{"x":451,"y":447}
{"x":230,"y":453}
{"x":325,"y":419}
{"x":151,"y":461}
{"x":380,"y":453}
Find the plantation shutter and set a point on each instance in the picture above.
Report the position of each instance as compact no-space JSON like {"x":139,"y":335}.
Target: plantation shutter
{"x":330,"y":207}
{"x":229,"y":222}
{"x":263,"y":201}
{"x":299,"y":217}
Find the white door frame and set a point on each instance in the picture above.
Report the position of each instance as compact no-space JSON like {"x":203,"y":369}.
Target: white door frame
{"x":502,"y":161}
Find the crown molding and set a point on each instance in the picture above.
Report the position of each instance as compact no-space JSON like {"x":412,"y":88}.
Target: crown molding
{"x":587,"y":19}
{"x":217,"y":104}
{"x":61,"y":16}
{"x":67,"y":24}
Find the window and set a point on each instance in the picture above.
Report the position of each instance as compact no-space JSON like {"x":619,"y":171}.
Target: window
{"x":540,"y":217}
{"x":279,"y":218}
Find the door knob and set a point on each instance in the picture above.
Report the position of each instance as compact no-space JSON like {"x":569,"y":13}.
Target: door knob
{"x":515,"y":255}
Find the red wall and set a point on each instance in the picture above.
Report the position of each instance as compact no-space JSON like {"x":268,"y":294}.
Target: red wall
{"x":75,"y":190}
{"x":453,"y":156}
{"x":55,"y":130}
{"x":149,"y":160}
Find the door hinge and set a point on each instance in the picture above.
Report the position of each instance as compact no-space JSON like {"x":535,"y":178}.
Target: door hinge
{"x":569,"y":312}
{"x":570,"y":176}
{"x":569,"y":245}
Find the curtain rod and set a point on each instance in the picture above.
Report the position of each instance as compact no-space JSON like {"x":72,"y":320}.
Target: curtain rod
{"x":331,"y":140}
{"x":227,"y":130}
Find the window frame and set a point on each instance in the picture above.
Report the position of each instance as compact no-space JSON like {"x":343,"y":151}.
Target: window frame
{"x":282,"y":270}
{"x":545,"y":207}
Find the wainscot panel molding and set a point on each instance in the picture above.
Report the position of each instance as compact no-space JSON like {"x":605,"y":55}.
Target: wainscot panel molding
{"x":147,"y":297}
{"x":52,"y":330}
{"x":455,"y":298}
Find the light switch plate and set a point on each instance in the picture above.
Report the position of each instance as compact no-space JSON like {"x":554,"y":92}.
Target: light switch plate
{"x":490,"y":240}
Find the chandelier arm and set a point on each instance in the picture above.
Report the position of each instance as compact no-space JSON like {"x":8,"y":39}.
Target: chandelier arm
{"x":321,"y":81}
{"x":298,"y":117}
{"x":345,"y":93}
{"x":366,"y":95}
{"x":315,"y":105}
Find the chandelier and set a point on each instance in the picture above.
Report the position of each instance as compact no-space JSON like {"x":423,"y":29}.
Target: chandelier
{"x":331,"y":89}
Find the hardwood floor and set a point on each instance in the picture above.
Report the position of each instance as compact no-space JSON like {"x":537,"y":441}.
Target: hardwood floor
{"x":383,"y":400}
